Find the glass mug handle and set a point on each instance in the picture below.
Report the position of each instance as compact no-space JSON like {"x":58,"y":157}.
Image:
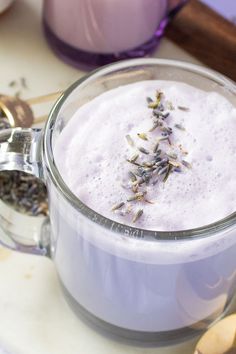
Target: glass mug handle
{"x":20,"y":149}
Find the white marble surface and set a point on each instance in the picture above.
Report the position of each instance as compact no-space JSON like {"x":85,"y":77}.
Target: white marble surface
{"x":34,"y":318}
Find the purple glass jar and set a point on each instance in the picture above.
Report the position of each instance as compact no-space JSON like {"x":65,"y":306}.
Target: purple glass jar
{"x":90,"y":33}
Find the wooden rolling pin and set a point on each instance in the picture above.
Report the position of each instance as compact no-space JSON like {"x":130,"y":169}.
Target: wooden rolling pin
{"x":206,"y":35}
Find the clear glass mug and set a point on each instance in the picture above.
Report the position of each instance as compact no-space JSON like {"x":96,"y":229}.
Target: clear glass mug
{"x":147,"y":286}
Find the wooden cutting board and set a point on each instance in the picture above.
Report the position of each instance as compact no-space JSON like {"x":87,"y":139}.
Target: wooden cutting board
{"x":206,"y":35}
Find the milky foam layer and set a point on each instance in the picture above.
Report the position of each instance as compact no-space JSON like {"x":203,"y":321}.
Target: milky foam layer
{"x":92,"y":150}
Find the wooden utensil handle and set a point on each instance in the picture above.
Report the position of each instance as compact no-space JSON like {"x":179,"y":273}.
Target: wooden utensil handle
{"x":206,"y":35}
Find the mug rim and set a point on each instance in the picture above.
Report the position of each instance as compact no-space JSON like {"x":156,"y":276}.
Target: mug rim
{"x":123,"y":229}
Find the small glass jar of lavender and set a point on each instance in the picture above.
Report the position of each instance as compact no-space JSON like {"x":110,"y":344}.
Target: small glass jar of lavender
{"x":93,"y":33}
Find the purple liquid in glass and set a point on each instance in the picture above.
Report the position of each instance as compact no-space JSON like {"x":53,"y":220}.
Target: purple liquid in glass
{"x":88,"y":34}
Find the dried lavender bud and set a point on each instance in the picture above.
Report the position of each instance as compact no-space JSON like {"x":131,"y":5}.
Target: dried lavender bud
{"x":139,"y":172}
{"x":23,"y":82}
{"x":138,"y":196}
{"x":155,"y":125}
{"x":157,"y":159}
{"x":142,"y":136}
{"x":146,"y":177}
{"x":167,"y":130}
{"x":149,"y":163}
{"x":156,"y":112}
{"x":186,"y":164}
{"x":169,"y":105}
{"x":132,"y":176}
{"x":163,"y":138}
{"x":133,"y":162}
{"x":12,"y":83}
{"x":149,"y":100}
{"x":158,"y":153}
{"x":156,"y":147}
{"x":167,"y":173}
{"x":162,"y":162}
{"x":153,"y":105}
{"x":143,"y":150}
{"x":165,"y":115}
{"x":174,"y":163}
{"x":134,"y":158}
{"x":179,"y":126}
{"x":137,"y":215}
{"x":177,"y":169}
{"x":129,"y":140}
{"x":117,"y":206}
{"x":163,"y":170}
{"x":172,"y":155}
{"x":182,"y":108}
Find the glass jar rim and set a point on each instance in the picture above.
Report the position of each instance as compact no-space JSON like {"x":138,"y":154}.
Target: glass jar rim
{"x":105,"y":222}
